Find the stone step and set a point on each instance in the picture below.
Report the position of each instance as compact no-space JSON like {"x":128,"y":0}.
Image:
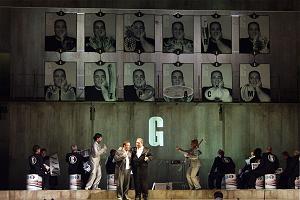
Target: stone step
{"x":153,"y":194}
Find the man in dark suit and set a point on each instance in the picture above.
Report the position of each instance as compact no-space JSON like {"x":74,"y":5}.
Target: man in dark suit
{"x":36,"y":163}
{"x":268,"y":165}
{"x":285,"y":176}
{"x":243,"y":177}
{"x":75,"y":161}
{"x":141,"y":156}
{"x":296,"y":169}
{"x":122,"y":170}
{"x":222,"y":165}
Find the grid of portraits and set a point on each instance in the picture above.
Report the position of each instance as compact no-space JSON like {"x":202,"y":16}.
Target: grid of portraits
{"x":100,"y":79}
{"x":139,"y":31}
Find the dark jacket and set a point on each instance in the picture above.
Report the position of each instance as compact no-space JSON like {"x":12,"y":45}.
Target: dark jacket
{"x":75,"y":161}
{"x":92,"y":94}
{"x":140,"y":162}
{"x":223,"y":165}
{"x":213,"y":47}
{"x":268,"y":164}
{"x":110,"y":165}
{"x":36,"y":165}
{"x":52,"y":44}
{"x":255,"y":159}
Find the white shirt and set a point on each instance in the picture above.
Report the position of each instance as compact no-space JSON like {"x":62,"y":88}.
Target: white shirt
{"x":127,"y":162}
{"x":139,"y":151}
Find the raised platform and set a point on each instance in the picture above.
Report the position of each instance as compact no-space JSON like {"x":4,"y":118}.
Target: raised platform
{"x":153,"y":194}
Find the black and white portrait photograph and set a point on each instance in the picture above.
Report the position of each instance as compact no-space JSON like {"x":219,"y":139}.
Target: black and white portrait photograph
{"x":217,"y":83}
{"x":178,"y":34}
{"x":60,"y":81}
{"x":139,"y":33}
{"x":139,"y":82}
{"x":255,"y":34}
{"x":178,"y":82}
{"x":100,"y":82}
{"x":255,"y":83}
{"x":100,"y":33}
{"x":61,"y":32}
{"x":216,"y":35}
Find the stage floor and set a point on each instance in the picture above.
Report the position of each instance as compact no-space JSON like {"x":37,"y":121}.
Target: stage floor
{"x":153,"y":194}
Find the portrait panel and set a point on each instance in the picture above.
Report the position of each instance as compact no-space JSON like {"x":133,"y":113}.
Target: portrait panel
{"x":61,"y":32}
{"x":178,"y":82}
{"x":217,"y":83}
{"x":255,"y":83}
{"x":216,"y":35}
{"x":60,"y":81}
{"x":100,"y":33}
{"x":139,"y":33}
{"x":178,"y":34}
{"x":139,"y":82}
{"x":100,"y":82}
{"x":255,"y":34}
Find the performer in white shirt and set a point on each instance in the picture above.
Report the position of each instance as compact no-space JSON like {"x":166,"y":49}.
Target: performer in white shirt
{"x":194,"y":164}
{"x":141,"y":156}
{"x":123,"y":169}
{"x":96,"y":152}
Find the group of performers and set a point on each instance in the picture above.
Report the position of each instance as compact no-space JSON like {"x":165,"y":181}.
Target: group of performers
{"x":129,"y":159}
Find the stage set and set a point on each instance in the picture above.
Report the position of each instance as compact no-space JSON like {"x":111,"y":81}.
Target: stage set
{"x":223,"y":72}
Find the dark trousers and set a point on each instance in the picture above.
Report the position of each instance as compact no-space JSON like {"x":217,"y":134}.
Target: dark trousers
{"x":46,"y":185}
{"x":123,"y":184}
{"x":215,"y":176}
{"x":140,"y":176}
{"x":243,"y":180}
{"x":253,"y":176}
{"x":284,"y":181}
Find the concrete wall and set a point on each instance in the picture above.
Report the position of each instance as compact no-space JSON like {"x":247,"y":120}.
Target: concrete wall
{"x":238,"y":128}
